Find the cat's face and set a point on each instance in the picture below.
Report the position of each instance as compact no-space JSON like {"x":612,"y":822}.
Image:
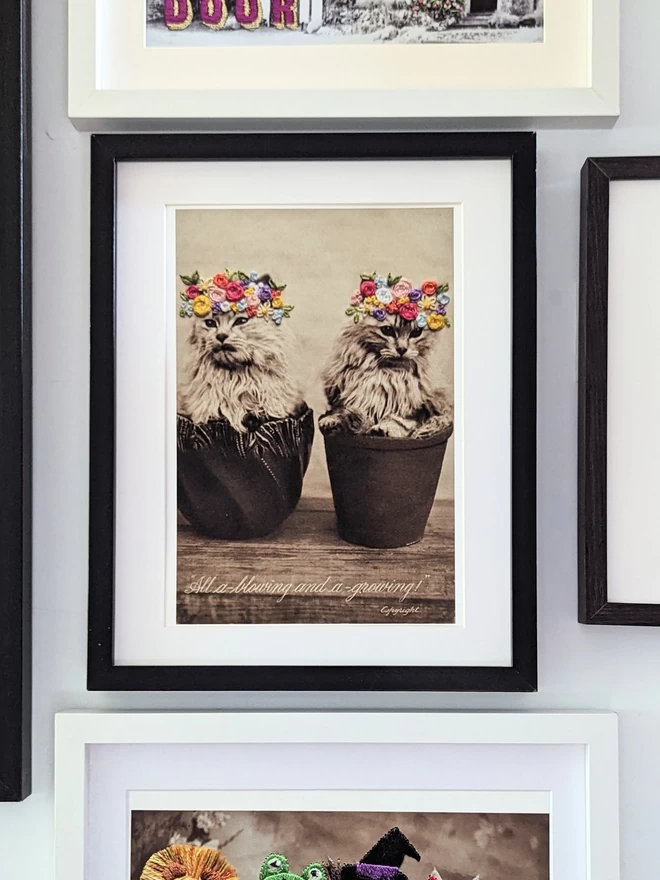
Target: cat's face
{"x":395,"y":342}
{"x":233,"y":341}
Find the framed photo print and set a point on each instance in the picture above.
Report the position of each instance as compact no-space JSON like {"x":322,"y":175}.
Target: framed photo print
{"x":213,"y":62}
{"x":619,"y":473}
{"x":15,"y":408}
{"x":318,"y":796}
{"x":313,"y":412}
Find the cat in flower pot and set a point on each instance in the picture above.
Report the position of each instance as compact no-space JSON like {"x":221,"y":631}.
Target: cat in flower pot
{"x":388,"y":419}
{"x":244,"y":430}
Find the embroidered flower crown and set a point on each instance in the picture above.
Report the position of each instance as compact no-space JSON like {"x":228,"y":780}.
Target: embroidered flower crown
{"x":378,"y":296}
{"x":253,"y":295}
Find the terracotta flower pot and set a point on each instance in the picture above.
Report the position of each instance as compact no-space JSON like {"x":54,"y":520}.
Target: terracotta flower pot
{"x":383,"y":488}
{"x":234,"y":485}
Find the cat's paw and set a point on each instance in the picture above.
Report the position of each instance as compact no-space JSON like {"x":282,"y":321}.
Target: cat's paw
{"x":338,"y":423}
{"x":437,"y":426}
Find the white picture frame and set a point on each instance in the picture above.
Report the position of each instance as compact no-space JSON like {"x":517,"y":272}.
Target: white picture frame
{"x":116,"y":81}
{"x":584,"y":746}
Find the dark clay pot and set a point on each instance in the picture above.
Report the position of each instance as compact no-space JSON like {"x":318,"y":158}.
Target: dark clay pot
{"x":383,"y":488}
{"x":236,"y":486}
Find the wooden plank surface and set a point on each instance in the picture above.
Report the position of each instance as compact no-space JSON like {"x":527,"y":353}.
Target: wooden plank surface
{"x":309,"y":575}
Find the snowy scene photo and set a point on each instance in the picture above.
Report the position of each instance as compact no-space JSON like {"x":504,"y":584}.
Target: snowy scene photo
{"x":304,"y":22}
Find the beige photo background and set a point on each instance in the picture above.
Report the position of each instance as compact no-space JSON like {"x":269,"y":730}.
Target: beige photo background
{"x":461,"y":846}
{"x":319,"y":254}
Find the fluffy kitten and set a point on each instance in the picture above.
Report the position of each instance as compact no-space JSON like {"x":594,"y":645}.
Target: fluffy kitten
{"x":380,"y":380}
{"x":238,"y":368}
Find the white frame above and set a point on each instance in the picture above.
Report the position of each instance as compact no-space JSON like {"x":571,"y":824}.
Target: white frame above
{"x":138,"y":100}
{"x":596,"y":732}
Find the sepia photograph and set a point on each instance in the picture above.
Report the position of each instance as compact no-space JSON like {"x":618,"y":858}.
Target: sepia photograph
{"x":315,"y":395}
{"x":200,"y":23}
{"x":207,"y":845}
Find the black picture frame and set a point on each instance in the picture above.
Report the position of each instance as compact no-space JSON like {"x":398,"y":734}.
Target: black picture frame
{"x":594,"y":606}
{"x":107,"y":152}
{"x":15,"y":405}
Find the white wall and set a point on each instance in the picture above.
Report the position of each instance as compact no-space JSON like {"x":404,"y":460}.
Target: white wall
{"x":599,"y":668}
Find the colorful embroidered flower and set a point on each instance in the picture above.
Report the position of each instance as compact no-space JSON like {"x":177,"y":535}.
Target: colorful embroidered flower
{"x":242,"y":305}
{"x":220,"y":280}
{"x":225,"y":306}
{"x":201,"y":306}
{"x":234,"y":291}
{"x":421,"y":320}
{"x":253,"y":300}
{"x":254,"y":276}
{"x":408,"y":311}
{"x":278,"y":314}
{"x":371,"y":301}
{"x":192,"y":291}
{"x":265,"y":293}
{"x":401,"y":288}
{"x":264,"y":311}
{"x":380,"y":281}
{"x":252,"y":311}
{"x":218,"y":295}
{"x":441,"y":310}
{"x":250,"y":291}
{"x":216,"y":308}
{"x":277,"y":302}
{"x":415,"y":295}
{"x":384,"y":295}
{"x":368,"y":288}
{"x":356,"y":299}
{"x":186,"y":309}
{"x":379,"y":314}
{"x":234,"y":307}
{"x":443,"y":299}
{"x":392,"y":307}
{"x":429,"y":303}
{"x":436,"y":322}
{"x":403,"y":299}
{"x":429,"y":287}
{"x":204,"y":286}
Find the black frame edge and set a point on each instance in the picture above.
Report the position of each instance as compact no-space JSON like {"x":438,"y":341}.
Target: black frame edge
{"x":15,"y":407}
{"x":107,"y":150}
{"x":593,"y":604}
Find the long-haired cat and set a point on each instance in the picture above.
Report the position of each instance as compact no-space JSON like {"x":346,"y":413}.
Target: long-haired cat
{"x":381,"y":379}
{"x":239,"y":369}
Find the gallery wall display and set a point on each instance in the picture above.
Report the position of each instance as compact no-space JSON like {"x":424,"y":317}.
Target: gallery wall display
{"x":152,"y":796}
{"x":619,"y":434}
{"x":15,"y":405}
{"x":313,"y":413}
{"x":131,"y":63}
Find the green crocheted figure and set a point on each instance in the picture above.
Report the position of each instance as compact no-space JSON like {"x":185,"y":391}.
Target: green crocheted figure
{"x":276,"y":867}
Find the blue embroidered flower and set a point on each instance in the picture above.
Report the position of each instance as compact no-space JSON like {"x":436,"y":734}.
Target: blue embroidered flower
{"x":384,"y":295}
{"x":421,"y":321}
{"x":380,"y":281}
{"x":242,"y":305}
{"x":443,"y":299}
{"x":278,"y":314}
{"x":225,"y":306}
{"x":379,"y":314}
{"x":186,"y":309}
{"x":254,"y":276}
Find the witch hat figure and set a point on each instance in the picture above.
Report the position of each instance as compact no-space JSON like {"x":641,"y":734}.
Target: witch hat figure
{"x":384,"y":859}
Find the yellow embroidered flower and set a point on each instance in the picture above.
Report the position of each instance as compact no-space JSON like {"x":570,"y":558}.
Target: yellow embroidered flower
{"x":250,"y":291}
{"x":277,"y":302}
{"x":371,"y":301}
{"x":403,"y":299}
{"x":204,"y":286}
{"x":428,"y":303}
{"x":436,"y":322}
{"x":234,"y":307}
{"x":263,"y":311}
{"x":201,"y":306}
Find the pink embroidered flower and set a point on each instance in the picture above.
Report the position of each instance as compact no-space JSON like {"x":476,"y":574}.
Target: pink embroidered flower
{"x":218,"y":295}
{"x":408,"y":311}
{"x":368,"y":288}
{"x":401,"y":288}
{"x":253,"y":301}
{"x":356,"y":299}
{"x":234,"y":291}
{"x":192,"y":291}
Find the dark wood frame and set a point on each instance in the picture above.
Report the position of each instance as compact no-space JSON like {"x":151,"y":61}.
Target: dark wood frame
{"x":593,"y":606}
{"x":15,"y":405}
{"x":107,"y":152}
